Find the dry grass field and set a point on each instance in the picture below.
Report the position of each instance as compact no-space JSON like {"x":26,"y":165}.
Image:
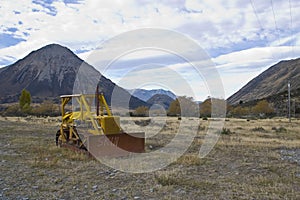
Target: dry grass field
{"x":254,"y":159}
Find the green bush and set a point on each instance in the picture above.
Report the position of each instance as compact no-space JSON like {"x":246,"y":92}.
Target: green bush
{"x":25,"y":101}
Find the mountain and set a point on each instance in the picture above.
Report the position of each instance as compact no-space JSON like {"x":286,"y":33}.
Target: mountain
{"x":55,"y":70}
{"x":145,"y":95}
{"x":161,"y":99}
{"x":270,"y":83}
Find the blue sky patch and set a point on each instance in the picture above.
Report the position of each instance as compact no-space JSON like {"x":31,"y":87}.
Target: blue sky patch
{"x":13,"y":30}
{"x":234,"y":47}
{"x":35,"y":10}
{"x":7,"y":40}
{"x":78,"y":51}
{"x":25,"y":34}
{"x":72,"y":1}
{"x":46,"y":4}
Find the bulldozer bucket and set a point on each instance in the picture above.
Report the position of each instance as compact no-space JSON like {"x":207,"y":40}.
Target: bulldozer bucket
{"x":115,"y":145}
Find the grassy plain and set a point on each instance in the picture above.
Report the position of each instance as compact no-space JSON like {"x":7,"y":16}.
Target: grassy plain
{"x":256,"y":159}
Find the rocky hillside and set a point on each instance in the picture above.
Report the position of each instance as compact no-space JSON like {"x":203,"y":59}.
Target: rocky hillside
{"x":271,"y":82}
{"x":50,"y":72}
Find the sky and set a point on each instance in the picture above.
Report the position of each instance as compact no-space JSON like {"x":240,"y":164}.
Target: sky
{"x":242,"y":38}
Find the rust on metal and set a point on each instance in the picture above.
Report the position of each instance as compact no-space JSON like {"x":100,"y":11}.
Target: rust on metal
{"x":116,"y":145}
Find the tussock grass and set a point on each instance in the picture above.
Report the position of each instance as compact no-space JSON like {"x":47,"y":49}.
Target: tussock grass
{"x":173,"y":179}
{"x":280,"y":129}
{"x":259,"y":129}
{"x":189,"y":159}
{"x":245,"y":165}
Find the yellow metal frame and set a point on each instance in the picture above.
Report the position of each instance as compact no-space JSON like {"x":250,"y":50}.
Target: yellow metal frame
{"x":99,"y":123}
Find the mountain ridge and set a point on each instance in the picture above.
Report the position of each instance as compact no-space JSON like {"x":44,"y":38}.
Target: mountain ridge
{"x":52,"y":71}
{"x":272,"y":81}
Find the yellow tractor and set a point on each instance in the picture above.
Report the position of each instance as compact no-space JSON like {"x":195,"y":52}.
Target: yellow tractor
{"x":97,"y":131}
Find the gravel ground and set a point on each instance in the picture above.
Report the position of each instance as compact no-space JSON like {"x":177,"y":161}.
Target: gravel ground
{"x":243,"y":165}
{"x":292,"y":155}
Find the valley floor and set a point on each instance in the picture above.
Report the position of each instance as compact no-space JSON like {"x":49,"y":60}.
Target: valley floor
{"x":256,"y":159}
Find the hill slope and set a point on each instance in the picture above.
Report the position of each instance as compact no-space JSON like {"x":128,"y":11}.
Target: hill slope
{"x":50,"y":72}
{"x":269,"y":83}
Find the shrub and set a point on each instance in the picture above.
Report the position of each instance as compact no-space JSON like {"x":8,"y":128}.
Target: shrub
{"x":201,"y":128}
{"x":226,"y":131}
{"x":47,"y":108}
{"x":259,"y":129}
{"x":13,"y":110}
{"x":142,"y":122}
{"x":279,"y":130}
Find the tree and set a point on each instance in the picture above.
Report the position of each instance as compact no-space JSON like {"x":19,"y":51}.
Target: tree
{"x":184,"y":106}
{"x":219,"y":107}
{"x":263,"y":108}
{"x":205,"y":108}
{"x":25,"y":101}
{"x":240,"y":111}
{"x":189,"y":108}
{"x":141,"y":111}
{"x":174,"y":108}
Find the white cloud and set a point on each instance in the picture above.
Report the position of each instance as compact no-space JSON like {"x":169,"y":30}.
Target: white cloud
{"x":220,"y":24}
{"x":238,"y":68}
{"x":255,"y":57}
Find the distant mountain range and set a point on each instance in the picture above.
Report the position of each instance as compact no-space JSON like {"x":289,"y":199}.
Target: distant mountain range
{"x":145,"y":95}
{"x":50,"y":72}
{"x":160,"y":99}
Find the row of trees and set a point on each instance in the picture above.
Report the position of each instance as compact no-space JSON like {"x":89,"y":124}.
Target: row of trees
{"x":182,"y":106}
{"x":219,"y":106}
{"x":262,"y":108}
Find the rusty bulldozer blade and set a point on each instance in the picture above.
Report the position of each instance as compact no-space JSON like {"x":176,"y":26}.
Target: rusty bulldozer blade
{"x":116,"y":145}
